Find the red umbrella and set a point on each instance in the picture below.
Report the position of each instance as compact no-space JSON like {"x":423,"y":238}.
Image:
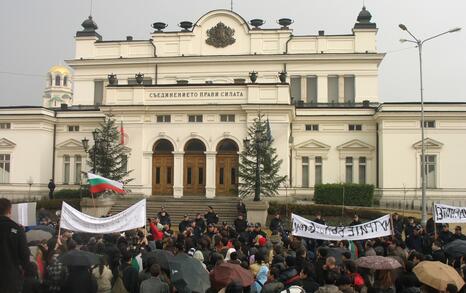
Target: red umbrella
{"x":378,"y":263}
{"x":226,"y":273}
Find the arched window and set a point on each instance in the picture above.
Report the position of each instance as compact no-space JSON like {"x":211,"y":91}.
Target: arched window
{"x":194,"y":146}
{"x":163,"y":146}
{"x":50,"y":79}
{"x":65,"y":81}
{"x":57,"y":80}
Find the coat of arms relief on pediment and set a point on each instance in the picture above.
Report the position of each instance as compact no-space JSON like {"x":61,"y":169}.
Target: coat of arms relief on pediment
{"x":220,"y":36}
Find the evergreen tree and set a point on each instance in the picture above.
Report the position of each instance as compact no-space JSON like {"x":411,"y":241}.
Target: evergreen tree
{"x":110,"y":158}
{"x":269,"y":164}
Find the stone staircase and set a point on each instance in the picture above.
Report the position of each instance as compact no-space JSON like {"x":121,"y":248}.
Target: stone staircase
{"x":225,"y":207}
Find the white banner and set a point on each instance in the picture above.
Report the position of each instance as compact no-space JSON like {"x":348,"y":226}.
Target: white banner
{"x":131,"y":218}
{"x":305,"y":228}
{"x":445,"y":214}
{"x":24,"y":213}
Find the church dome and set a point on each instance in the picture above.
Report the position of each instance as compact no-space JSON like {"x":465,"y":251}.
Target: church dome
{"x":59,"y":69}
{"x":364,"y":16}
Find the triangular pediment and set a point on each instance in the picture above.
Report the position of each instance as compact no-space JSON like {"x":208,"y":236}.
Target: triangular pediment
{"x":312,"y":144}
{"x":6,"y":143}
{"x":429,"y":143}
{"x":70,"y":144}
{"x":355,"y":145}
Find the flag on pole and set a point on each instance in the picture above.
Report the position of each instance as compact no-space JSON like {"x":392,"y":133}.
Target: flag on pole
{"x":99,"y":184}
{"x":122,"y":134}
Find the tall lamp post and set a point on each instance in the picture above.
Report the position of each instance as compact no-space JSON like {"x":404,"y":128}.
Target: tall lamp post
{"x":85,"y":143}
{"x":419,"y":44}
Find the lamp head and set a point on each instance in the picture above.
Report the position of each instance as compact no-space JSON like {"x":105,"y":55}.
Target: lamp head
{"x":454,"y":30}
{"x":403,"y":40}
{"x":94,"y":135}
{"x":402,"y":26}
{"x":85,"y":143}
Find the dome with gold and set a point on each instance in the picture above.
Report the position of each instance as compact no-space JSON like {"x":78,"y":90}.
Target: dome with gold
{"x":59,"y":69}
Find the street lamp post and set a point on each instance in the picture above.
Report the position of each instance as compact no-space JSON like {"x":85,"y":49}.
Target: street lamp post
{"x":85,"y":143}
{"x":419,"y":44}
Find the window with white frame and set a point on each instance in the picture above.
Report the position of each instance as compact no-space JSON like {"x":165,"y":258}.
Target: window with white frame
{"x":430,"y":171}
{"x":362,"y":170}
{"x":5,"y":125}
{"x":66,"y":169}
{"x":312,"y":127}
{"x":73,"y":128}
{"x":77,"y":169}
{"x":164,"y":118}
{"x":318,"y":170}
{"x":349,"y":169}
{"x":354,"y":127}
{"x":5,"y":168}
{"x":305,"y":169}
{"x":195,"y":118}
{"x":227,"y":117}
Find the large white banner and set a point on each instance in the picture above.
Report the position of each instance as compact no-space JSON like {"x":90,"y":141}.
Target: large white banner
{"x":305,"y":228}
{"x":449,"y":214}
{"x":24,"y":213}
{"x":131,"y":218}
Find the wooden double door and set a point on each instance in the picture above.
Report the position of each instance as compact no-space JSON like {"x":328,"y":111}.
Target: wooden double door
{"x":194,"y":174}
{"x":162,"y":174}
{"x":227,"y":174}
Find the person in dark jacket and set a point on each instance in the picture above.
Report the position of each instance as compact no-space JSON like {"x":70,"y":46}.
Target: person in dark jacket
{"x":211,"y":217}
{"x":80,"y":280}
{"x":241,"y":208}
{"x":130,"y":274}
{"x":14,"y":252}
{"x":51,"y":187}
{"x":458,"y":234}
{"x":397,"y":225}
{"x":437,"y":252}
{"x":164,"y":217}
{"x":184,"y":224}
{"x":307,"y":281}
{"x":289,"y":276}
{"x":31,"y":279}
{"x":200,"y":223}
{"x":416,"y":241}
{"x":445,"y":235}
{"x":355,"y":221}
{"x":276,"y":223}
{"x":240,"y":224}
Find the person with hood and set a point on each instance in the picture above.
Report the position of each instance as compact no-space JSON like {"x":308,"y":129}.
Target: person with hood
{"x":261,"y":278}
{"x":103,"y":276}
{"x":289,"y":276}
{"x":330,"y":281}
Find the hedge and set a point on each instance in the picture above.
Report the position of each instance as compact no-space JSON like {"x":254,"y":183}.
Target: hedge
{"x":55,"y":204}
{"x":354,"y":194}
{"x":71,"y":193}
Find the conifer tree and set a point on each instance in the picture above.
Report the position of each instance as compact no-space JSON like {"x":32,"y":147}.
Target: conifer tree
{"x":259,"y":141}
{"x":111,"y":159}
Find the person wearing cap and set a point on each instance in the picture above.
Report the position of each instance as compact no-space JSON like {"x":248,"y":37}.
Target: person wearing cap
{"x":164,"y":217}
{"x":445,"y":235}
{"x":211,"y":217}
{"x":210,"y":230}
{"x":240,"y":224}
{"x":184,"y":224}
{"x":458,"y":234}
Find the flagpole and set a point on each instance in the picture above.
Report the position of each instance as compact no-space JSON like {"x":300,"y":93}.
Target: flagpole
{"x":93,"y":199}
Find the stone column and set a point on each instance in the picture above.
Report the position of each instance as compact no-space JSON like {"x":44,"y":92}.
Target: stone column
{"x":210,"y":173}
{"x":178,"y":169}
{"x":322,"y":88}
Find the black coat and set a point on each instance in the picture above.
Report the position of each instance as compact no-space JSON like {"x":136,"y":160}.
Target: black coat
{"x":211,"y":218}
{"x":14,"y":255}
{"x":241,"y":209}
{"x":200,"y":223}
{"x":183,"y":225}
{"x":164,"y":220}
{"x":241,"y":225}
{"x":276,"y":224}
{"x":130,"y":278}
{"x":80,"y":280}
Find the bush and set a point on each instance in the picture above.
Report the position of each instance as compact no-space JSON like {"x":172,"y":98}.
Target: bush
{"x":55,"y":204}
{"x":355,"y":194}
{"x":71,"y":193}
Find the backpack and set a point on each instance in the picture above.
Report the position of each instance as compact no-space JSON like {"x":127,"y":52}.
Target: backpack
{"x":119,"y":286}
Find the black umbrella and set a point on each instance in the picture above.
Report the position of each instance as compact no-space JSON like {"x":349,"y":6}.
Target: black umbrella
{"x":188,"y":275}
{"x":456,"y":248}
{"x":159,"y":257}
{"x":337,"y":253}
{"x":79,"y":258}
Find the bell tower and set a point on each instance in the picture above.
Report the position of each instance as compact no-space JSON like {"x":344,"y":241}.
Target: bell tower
{"x":58,"y":89}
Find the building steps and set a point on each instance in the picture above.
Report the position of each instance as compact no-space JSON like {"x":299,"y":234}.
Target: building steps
{"x":225,"y":207}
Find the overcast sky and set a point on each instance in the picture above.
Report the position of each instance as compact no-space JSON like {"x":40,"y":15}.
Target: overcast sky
{"x":36,"y":34}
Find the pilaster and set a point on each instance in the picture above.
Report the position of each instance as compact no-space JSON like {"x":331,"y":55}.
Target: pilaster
{"x":210,"y":173}
{"x":178,"y":160}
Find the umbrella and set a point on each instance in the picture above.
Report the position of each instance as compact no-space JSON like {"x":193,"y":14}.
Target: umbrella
{"x":456,"y":248}
{"x":188,"y":274}
{"x":37,"y":235}
{"x":160,"y":257}
{"x":437,"y":275}
{"x":378,"y":263}
{"x":225,"y":273}
{"x":337,"y":253}
{"x":79,"y":258}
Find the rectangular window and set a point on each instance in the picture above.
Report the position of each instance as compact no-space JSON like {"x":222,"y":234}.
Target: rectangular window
{"x":312,"y":127}
{"x":362,"y":170}
{"x":305,"y":166}
{"x":354,"y":127}
{"x":201,"y":175}
{"x":311,"y":89}
{"x":98,"y":92}
{"x":66,"y":169}
{"x":431,"y":171}
{"x":5,"y":125}
{"x":189,"y":175}
{"x":157,"y":175}
{"x":295,"y":85}
{"x":220,"y":179}
{"x":169,"y":175}
{"x":73,"y":128}
{"x":164,"y":118}
{"x":332,"y":84}
{"x":349,"y":170}
{"x":77,"y":169}
{"x":145,"y":81}
{"x":227,"y":118}
{"x":233,"y":176}
{"x":349,"y":89}
{"x":195,"y":118}
{"x":429,"y":123}
{"x":318,"y":170}
{"x":4,"y":168}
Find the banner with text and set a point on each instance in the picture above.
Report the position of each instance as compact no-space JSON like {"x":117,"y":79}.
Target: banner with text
{"x":445,"y":214}
{"x":24,"y":213}
{"x":131,"y":218}
{"x":305,"y":228}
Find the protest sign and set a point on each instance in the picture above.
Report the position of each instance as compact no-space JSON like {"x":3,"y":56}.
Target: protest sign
{"x":444,"y":214}
{"x":305,"y":228}
{"x":24,"y":213}
{"x":131,"y":218}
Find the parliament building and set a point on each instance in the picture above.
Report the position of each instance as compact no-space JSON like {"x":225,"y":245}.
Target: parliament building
{"x":185,"y":99}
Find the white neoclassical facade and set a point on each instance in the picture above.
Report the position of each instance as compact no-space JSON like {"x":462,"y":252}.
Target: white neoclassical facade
{"x":186,"y":114}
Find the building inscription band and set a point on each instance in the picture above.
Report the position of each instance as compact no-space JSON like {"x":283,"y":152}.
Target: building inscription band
{"x":196,"y":94}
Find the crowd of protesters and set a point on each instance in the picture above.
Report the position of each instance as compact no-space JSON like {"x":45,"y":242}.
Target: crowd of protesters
{"x":278,"y":261}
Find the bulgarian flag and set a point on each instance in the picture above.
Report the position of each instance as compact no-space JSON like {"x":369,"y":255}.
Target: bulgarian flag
{"x":99,"y":184}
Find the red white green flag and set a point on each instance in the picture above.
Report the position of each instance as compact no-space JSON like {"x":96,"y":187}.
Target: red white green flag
{"x":99,"y":184}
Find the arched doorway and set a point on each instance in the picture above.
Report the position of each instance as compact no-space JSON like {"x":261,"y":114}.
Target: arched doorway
{"x":162,"y":168}
{"x":227,"y":168}
{"x":194,"y":168}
